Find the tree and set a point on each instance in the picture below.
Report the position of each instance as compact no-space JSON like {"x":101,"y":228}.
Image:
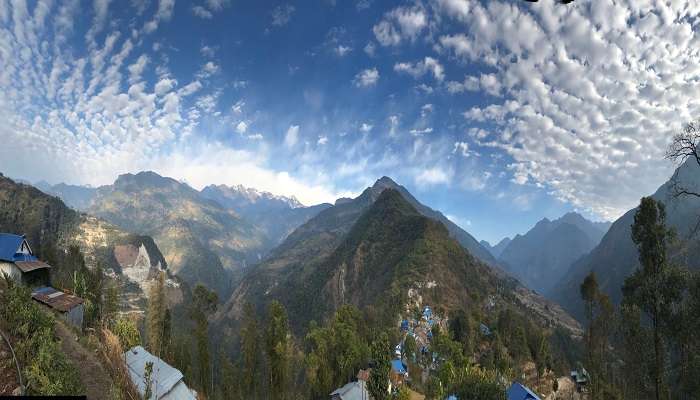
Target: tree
{"x":127,"y":332}
{"x":656,"y":287}
{"x":204,"y":303}
{"x":277,"y":348}
{"x":378,"y":384}
{"x":250,"y":352}
{"x":589,"y":294}
{"x":155,"y":323}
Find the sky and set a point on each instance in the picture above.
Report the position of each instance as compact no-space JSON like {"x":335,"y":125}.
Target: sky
{"x":497,"y":113}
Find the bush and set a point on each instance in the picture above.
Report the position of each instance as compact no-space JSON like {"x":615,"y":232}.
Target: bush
{"x":46,"y":370}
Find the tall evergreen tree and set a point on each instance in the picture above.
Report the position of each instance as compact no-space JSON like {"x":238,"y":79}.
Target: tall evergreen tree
{"x":277,"y":348}
{"x":250,"y":353}
{"x":379,"y":377}
{"x":204,"y":303}
{"x":155,"y":322}
{"x":656,"y":287}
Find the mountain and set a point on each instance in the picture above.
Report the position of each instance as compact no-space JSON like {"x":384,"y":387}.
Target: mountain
{"x":201,"y":240}
{"x":616,"y":257}
{"x":544,"y":254}
{"x":498,"y":248}
{"x":75,"y":196}
{"x":275,"y":216}
{"x":380,"y":253}
{"x":48,"y":223}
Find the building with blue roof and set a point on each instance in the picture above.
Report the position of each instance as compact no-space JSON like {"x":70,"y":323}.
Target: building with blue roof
{"x":485,"y":330}
{"x":517,"y":391}
{"x":398,"y":373}
{"x":19,"y":262}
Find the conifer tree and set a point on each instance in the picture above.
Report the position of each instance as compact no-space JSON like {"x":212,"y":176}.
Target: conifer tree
{"x":277,"y":348}
{"x":250,"y":352}
{"x":156,"y":315}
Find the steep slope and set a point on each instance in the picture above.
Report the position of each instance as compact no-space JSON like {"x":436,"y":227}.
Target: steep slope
{"x":616,"y":256}
{"x":276,"y":216}
{"x":544,"y":254}
{"x":75,"y":196}
{"x":392,"y":256}
{"x":201,"y":240}
{"x":49,"y":223}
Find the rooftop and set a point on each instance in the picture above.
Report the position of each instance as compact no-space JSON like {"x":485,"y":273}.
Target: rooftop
{"x":56,"y":299}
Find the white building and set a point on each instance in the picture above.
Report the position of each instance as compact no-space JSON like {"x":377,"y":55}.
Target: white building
{"x":166,"y":382}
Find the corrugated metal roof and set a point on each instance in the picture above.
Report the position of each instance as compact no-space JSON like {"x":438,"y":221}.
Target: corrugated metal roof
{"x":352,"y":391}
{"x":56,"y":299}
{"x":163,"y":379}
{"x":27,"y":266}
{"x":9,"y":243}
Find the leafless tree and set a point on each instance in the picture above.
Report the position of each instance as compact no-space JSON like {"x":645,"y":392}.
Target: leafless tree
{"x":684,"y":145}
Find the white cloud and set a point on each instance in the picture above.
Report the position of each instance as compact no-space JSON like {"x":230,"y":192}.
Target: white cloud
{"x":238,"y":107}
{"x":164,"y":85}
{"x":393,"y":124}
{"x":292,"y":136}
{"x":432,"y":176}
{"x":417,"y":132}
{"x":242,"y":127}
{"x":462,"y":148}
{"x":370,"y":48}
{"x":281,"y":15}
{"x":322,"y":140}
{"x":341,"y":50}
{"x":202,"y":12}
{"x":401,"y":23}
{"x":365,"y":127}
{"x":366,"y":78}
{"x":420,"y":68}
{"x":208,"y":51}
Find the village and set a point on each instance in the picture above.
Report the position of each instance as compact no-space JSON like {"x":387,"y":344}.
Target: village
{"x":413,"y":359}
{"x":414,"y":349}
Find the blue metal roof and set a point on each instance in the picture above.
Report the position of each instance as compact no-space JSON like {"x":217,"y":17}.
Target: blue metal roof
{"x":397,"y":366}
{"x":9,"y":243}
{"x":516,"y":391}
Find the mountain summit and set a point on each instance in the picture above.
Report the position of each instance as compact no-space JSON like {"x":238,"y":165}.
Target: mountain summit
{"x":544,"y":254}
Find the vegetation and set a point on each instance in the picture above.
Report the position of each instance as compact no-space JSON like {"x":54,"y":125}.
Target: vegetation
{"x":47,"y":371}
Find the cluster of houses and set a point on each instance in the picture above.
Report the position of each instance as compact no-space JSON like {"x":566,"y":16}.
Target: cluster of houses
{"x":18,"y":262}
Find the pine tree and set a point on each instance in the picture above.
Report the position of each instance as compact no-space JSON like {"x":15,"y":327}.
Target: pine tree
{"x":250,"y":352}
{"x":203,"y":304}
{"x":656,"y":287}
{"x":378,"y":384}
{"x":277,"y":348}
{"x":156,"y":315}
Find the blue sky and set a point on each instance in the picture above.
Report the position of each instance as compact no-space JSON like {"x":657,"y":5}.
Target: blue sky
{"x":497,"y":113}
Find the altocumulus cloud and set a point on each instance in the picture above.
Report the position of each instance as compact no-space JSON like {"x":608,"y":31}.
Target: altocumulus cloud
{"x":88,"y":115}
{"x":592,"y":93}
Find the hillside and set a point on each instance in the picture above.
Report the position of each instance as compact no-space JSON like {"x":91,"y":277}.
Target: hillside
{"x":201,"y":240}
{"x":544,"y":254}
{"x":49,"y":224}
{"x":392,"y":256}
{"x":75,"y":196}
{"x":616,"y":256}
{"x":275,"y":216}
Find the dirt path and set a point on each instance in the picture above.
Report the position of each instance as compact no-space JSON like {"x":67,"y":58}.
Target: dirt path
{"x":94,"y":377}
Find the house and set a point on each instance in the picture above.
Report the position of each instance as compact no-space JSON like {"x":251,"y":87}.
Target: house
{"x":166,"y":382}
{"x":427,"y":313}
{"x":451,"y":397}
{"x":19,"y":262}
{"x":580,"y":378}
{"x":352,"y":391}
{"x":398,"y":373}
{"x":485,"y":330}
{"x":363,"y":374}
{"x":516,"y":391}
{"x":69,"y":307}
{"x":404,"y":325}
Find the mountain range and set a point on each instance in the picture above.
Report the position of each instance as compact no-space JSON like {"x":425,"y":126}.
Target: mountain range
{"x":379,"y":252}
{"x":49,"y":224}
{"x":616,"y":256}
{"x":543,"y":255}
